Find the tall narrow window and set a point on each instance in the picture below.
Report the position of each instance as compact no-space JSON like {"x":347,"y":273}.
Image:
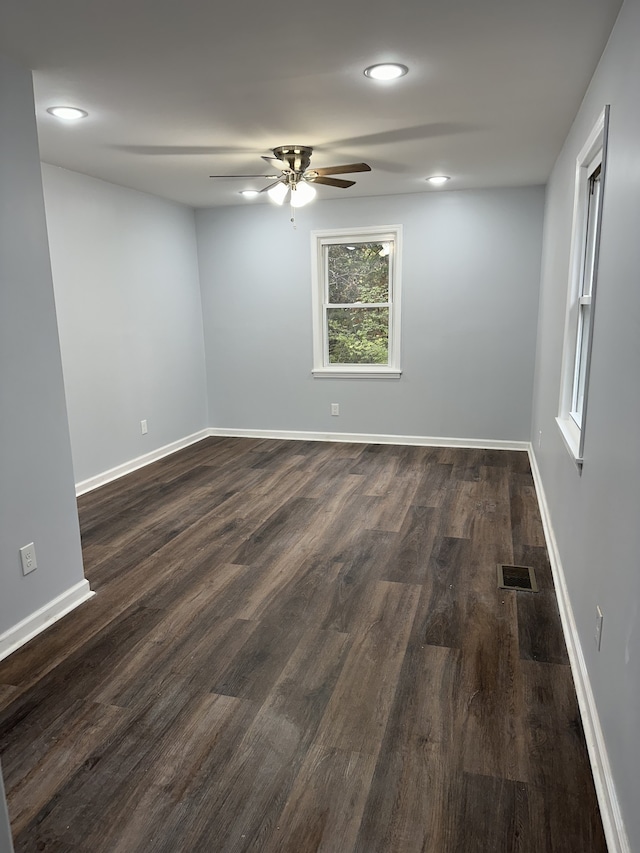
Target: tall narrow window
{"x":586,"y":291}
{"x":582,"y":286}
{"x":356,"y":302}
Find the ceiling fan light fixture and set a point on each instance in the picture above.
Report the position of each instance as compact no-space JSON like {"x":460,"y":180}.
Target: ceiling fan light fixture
{"x":302,"y":193}
{"x":249,"y":193}
{"x":67,"y":113}
{"x":386,"y":71}
{"x":438,"y":180}
{"x":278,"y":193}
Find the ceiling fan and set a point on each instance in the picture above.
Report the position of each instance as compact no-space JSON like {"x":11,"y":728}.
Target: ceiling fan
{"x":296,"y":177}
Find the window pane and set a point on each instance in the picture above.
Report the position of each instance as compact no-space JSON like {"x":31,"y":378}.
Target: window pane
{"x":592,"y":229}
{"x":581,"y":364}
{"x":358,"y":335}
{"x":358,"y":272}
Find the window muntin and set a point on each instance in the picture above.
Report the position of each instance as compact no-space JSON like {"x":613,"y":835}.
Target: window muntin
{"x":356,"y":302}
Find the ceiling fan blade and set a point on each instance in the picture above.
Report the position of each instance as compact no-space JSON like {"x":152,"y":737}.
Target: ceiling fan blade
{"x":276,"y":164}
{"x":243,"y":176}
{"x":343,"y":170}
{"x":331,"y":182}
{"x":267,"y":188}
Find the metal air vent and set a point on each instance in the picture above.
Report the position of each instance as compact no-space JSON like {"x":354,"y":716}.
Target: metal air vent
{"x":517,"y":577}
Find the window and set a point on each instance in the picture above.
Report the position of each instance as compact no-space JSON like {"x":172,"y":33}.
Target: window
{"x":585,"y":242}
{"x":356,"y":302}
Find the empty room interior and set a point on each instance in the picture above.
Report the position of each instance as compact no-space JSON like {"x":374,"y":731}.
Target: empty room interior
{"x":318,"y":510}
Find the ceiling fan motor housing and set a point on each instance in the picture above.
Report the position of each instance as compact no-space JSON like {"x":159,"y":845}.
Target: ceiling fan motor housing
{"x":298,"y":157}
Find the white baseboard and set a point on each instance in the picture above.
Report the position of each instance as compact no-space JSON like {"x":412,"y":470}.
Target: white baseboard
{"x":36,"y":622}
{"x":139,"y":462}
{"x":372,"y":438}
{"x":291,"y":435}
{"x":614,"y":830}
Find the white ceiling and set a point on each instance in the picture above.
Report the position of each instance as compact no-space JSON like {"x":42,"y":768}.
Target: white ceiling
{"x":177,"y":90}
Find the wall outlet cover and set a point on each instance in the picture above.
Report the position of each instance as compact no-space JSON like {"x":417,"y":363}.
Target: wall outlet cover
{"x":28,"y":558}
{"x":599,"y":621}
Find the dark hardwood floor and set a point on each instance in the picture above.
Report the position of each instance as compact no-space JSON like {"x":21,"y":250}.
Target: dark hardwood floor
{"x":299,"y":646}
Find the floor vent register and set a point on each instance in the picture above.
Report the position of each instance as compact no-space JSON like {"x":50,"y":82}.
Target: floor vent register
{"x":521,"y":578}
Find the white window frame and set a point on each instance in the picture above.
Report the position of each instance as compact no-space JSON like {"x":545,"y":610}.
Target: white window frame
{"x":319,"y":281}
{"x":583,"y":276}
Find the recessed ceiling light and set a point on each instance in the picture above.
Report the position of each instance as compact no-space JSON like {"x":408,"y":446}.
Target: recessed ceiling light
{"x":386,"y":71}
{"x":249,"y":193}
{"x":67,"y":113}
{"x":437,"y":180}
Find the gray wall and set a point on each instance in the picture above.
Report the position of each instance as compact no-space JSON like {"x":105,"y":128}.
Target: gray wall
{"x":471,"y":264}
{"x":37,"y":500}
{"x":596,"y":515}
{"x":127,"y":292}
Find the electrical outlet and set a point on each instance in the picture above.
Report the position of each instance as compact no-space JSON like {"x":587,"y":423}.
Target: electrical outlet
{"x":335,"y":409}
{"x":143,"y":427}
{"x":539,"y":439}
{"x":28,"y":557}
{"x":599,"y":620}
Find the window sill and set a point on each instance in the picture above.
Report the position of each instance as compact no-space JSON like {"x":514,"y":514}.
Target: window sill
{"x":356,"y":373}
{"x":571,"y":437}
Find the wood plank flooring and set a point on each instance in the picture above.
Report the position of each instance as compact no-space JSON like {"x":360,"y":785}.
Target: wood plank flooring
{"x":297,"y":647}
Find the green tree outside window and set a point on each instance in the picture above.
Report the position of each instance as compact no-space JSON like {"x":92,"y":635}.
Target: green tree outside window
{"x":358,"y":303}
